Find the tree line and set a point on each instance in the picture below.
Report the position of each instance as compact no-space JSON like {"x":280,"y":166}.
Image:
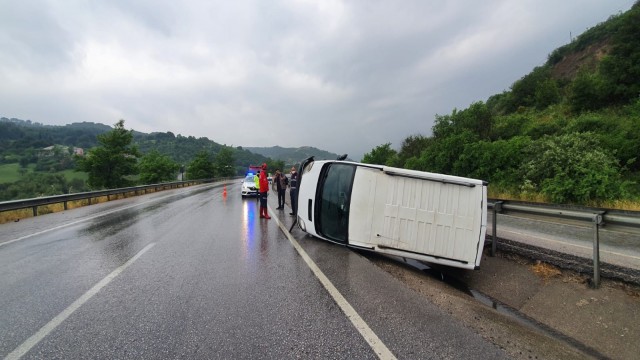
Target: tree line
{"x":116,"y":158}
{"x":117,"y":162}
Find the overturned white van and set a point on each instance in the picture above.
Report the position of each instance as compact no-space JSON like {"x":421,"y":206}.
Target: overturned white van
{"x":430,"y":217}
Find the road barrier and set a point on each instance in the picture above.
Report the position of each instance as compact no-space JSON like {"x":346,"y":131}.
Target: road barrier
{"x":596,"y":217}
{"x":64,"y":199}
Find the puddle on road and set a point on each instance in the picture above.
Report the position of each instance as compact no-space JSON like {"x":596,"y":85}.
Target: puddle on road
{"x":497,"y":305}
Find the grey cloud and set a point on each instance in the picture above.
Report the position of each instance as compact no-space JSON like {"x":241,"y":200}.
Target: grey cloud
{"x":32,"y":38}
{"x":341,"y":76}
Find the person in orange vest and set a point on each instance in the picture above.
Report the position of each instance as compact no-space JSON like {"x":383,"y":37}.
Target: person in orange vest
{"x":264,"y":191}
{"x":256,"y":180}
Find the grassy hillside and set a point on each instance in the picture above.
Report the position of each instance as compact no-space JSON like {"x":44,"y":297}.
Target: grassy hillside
{"x":9,"y":173}
{"x":567,"y":132}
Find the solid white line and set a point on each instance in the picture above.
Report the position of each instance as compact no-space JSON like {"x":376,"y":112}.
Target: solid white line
{"x":369,"y":336}
{"x":51,"y":325}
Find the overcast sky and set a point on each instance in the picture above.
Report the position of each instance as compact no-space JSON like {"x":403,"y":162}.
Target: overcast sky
{"x":342,"y":76}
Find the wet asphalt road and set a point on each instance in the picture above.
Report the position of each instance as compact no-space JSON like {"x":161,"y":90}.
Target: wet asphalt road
{"x":189,"y":273}
{"x":619,"y":247}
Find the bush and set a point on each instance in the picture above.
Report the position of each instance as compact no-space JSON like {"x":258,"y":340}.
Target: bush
{"x":35,"y":185}
{"x":441,"y":154}
{"x":573,"y":168}
{"x":497,"y":161}
{"x":587,"y":92}
{"x":508,"y":126}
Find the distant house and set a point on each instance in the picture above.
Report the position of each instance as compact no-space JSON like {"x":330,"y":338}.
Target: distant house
{"x":46,"y":152}
{"x":51,"y":150}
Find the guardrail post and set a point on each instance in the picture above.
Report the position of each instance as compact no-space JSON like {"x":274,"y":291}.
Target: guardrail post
{"x":597,"y":221}
{"x":497,"y":207}
{"x":35,"y":210}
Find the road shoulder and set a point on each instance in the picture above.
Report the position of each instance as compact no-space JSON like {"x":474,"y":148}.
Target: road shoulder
{"x":587,"y":322}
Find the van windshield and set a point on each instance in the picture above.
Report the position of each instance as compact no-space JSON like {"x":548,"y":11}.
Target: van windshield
{"x":333,"y":207}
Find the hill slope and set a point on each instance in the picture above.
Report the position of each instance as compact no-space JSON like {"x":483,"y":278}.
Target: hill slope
{"x":567,"y":132}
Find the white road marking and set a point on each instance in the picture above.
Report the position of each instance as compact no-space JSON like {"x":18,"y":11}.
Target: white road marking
{"x":369,"y":336}
{"x":51,"y":325}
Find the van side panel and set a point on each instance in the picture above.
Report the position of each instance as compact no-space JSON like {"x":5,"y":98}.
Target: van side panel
{"x":437,"y":219}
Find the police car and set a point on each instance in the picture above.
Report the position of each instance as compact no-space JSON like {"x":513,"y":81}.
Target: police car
{"x":249,"y":186}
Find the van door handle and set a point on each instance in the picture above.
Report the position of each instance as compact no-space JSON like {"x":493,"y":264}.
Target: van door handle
{"x":309,"y":207}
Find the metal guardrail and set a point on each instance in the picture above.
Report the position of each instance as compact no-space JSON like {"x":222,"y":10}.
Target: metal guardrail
{"x":596,"y":217}
{"x":64,"y":199}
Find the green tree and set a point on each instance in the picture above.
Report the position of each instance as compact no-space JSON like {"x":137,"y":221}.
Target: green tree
{"x":547,"y":93}
{"x":442,"y":153}
{"x":156,"y":168}
{"x":36,"y":185}
{"x":224,"y":162}
{"x":476,"y":118}
{"x":508,"y":126}
{"x":110,"y":164}
{"x":621,"y":68}
{"x":444,"y":125}
{"x":497,"y":162}
{"x":411,"y":147}
{"x":523,"y":91}
{"x":201,"y":167}
{"x":499,"y":104}
{"x":586,"y":92}
{"x":380,"y":155}
{"x":273,"y":165}
{"x":24,"y":162}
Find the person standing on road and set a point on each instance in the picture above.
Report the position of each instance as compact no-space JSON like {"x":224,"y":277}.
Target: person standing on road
{"x":280,"y":183}
{"x":264,"y":191}
{"x":293,"y":191}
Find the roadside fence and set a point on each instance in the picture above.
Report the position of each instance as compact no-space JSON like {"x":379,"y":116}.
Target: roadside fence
{"x":594,"y":216}
{"x":35,"y":203}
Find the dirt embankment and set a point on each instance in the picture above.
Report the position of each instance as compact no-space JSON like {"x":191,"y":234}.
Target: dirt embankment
{"x":586,"y":59}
